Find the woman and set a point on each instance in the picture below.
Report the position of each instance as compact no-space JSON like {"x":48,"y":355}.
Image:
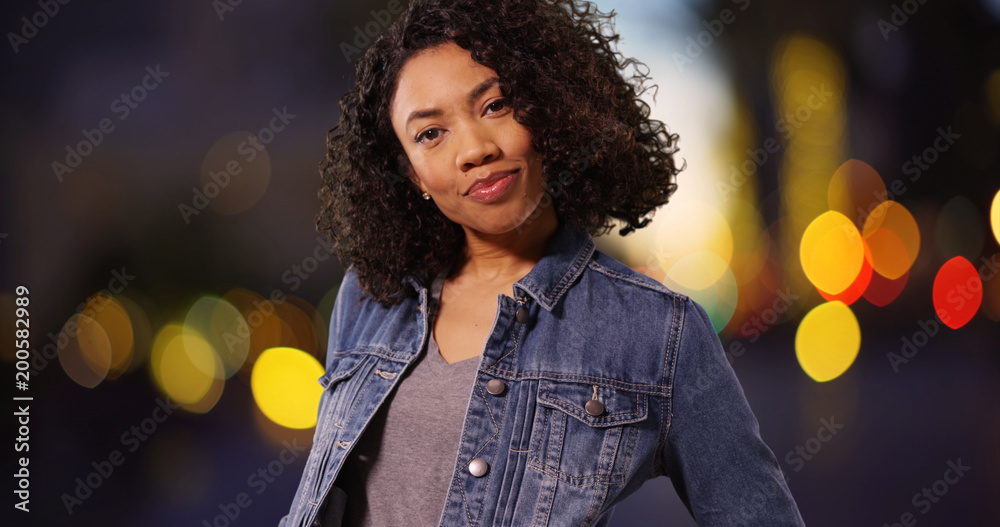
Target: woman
{"x":486,"y":365}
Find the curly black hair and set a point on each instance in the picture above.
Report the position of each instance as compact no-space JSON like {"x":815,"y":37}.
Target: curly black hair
{"x":604,"y":158}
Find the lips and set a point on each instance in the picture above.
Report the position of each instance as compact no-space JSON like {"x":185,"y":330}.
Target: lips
{"x":489,"y":180}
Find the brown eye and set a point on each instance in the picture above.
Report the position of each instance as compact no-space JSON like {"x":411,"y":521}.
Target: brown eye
{"x":428,"y":134}
{"x":497,"y":105}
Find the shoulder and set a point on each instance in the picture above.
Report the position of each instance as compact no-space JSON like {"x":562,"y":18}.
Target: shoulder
{"x":620,"y":275}
{"x":353,"y":295}
{"x":642,"y":292}
{"x":352,"y":302}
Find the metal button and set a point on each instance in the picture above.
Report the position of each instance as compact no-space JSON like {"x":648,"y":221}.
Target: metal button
{"x":495,"y":386}
{"x":521,"y":314}
{"x":594,"y":407}
{"x":478,"y":467}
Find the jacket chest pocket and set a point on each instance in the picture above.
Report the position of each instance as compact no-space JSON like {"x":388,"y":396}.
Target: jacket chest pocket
{"x":585,"y":433}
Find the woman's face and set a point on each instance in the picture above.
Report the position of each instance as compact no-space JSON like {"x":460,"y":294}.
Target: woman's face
{"x":459,"y":135}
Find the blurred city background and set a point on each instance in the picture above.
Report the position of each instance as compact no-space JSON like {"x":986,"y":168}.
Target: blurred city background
{"x":838,"y":217}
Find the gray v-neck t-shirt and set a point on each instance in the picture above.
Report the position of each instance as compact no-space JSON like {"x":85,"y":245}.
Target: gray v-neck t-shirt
{"x":400,"y":468}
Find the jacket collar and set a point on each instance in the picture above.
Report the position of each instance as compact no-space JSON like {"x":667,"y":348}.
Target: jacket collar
{"x":565,"y":257}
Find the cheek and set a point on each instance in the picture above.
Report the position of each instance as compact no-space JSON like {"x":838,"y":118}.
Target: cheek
{"x":425,"y":171}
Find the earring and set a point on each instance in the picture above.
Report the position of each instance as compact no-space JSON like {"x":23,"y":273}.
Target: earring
{"x":426,"y":195}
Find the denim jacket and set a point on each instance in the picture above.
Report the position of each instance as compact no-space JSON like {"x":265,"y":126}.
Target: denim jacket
{"x":608,"y":379}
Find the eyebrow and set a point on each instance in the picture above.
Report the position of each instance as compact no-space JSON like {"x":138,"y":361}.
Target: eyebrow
{"x":471,"y":98}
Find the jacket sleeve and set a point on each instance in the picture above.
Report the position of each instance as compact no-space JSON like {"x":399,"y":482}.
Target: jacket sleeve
{"x":713,"y":452}
{"x":344,"y":306}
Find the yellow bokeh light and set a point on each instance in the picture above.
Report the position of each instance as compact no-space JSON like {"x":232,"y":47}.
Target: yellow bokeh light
{"x":832,"y":252}
{"x":207,"y":401}
{"x":698,"y":271}
{"x":827,"y":341}
{"x":285,"y":385}
{"x":809,"y":88}
{"x":184,"y":364}
{"x":719,"y":298}
{"x":995,"y":216}
{"x":704,"y":229}
{"x":224,"y":328}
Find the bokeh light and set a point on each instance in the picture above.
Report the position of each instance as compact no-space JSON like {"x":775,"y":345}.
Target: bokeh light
{"x":211,"y":397}
{"x":234,"y":174}
{"x":882,"y":291}
{"x":855,"y":190}
{"x":697,"y":271}
{"x":860,"y":284}
{"x":808,"y":85}
{"x":827,"y":341}
{"x":266,"y":329}
{"x":184,"y":365}
{"x":705,"y":229}
{"x":718,"y":298}
{"x":958,"y":292}
{"x":285,"y":384}
{"x":225,"y":329}
{"x":832,"y":252}
{"x":995,"y":216}
{"x":296,"y":314}
{"x":142,"y":332}
{"x":893,"y":237}
{"x":84,"y":350}
{"x":114,"y":320}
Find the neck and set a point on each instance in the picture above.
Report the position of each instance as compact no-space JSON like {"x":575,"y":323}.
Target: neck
{"x":504,"y":258}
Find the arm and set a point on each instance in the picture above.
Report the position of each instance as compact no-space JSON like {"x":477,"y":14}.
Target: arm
{"x":346,"y":294}
{"x":344,"y":306}
{"x":713,"y":453}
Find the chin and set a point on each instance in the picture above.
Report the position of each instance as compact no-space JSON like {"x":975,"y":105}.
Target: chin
{"x":503,"y":224}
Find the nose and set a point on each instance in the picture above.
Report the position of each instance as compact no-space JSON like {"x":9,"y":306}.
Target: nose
{"x":477,"y":146}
